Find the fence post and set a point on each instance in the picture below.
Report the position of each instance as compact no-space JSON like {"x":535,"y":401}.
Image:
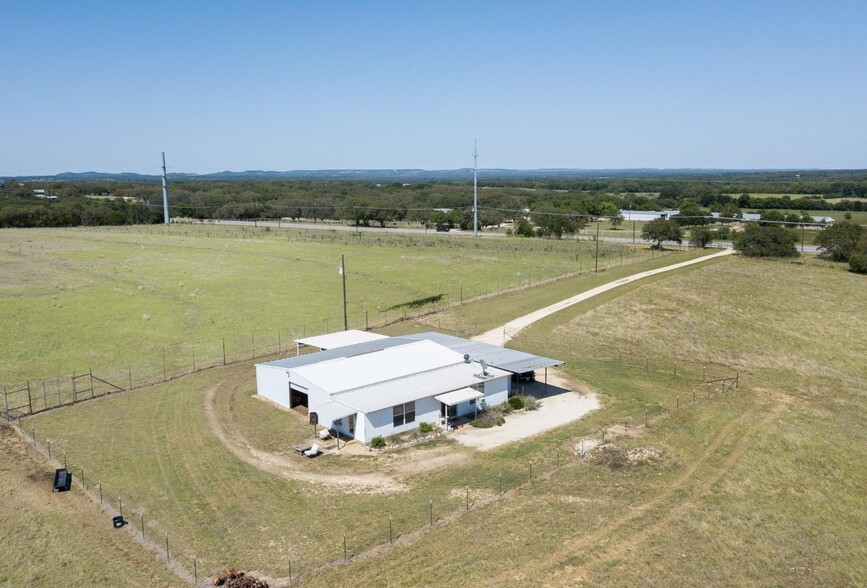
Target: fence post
{"x":224,"y":351}
{"x":253,"y":339}
{"x":195,"y":573}
{"x":344,"y":546}
{"x":74,"y":395}
{"x":29,"y":399}
{"x":49,"y":450}
{"x":500,"y":487}
{"x":98,"y":484}
{"x":164,"y":366}
{"x":44,"y":396}
{"x":279,"y":343}
{"x":142,"y":526}
{"x":290,"y":570}
{"x":468,"y":498}
{"x":129,"y":367}
{"x":6,"y":403}
{"x":194,"y":357}
{"x":91,"y":382}
{"x":737,"y":379}
{"x":168,"y":557}
{"x":430,"y":510}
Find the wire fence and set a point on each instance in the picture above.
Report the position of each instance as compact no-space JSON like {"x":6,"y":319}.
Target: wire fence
{"x":693,"y":383}
{"x":154,"y":365}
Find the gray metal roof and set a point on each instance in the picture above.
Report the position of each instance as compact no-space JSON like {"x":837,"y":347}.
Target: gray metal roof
{"x":415,"y":387}
{"x":348,"y":351}
{"x":510,"y":360}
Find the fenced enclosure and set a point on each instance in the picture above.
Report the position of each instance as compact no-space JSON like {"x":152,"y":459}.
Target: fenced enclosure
{"x":154,"y":365}
{"x":482,"y":487}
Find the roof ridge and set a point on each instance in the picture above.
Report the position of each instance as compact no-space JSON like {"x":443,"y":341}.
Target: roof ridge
{"x":404,"y":377}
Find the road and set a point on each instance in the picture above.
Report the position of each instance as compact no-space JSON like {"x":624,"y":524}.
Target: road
{"x":453,"y":233}
{"x":503,"y":334}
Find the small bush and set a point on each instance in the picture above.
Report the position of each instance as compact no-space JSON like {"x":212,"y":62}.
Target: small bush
{"x":425,"y":427}
{"x":377,"y":442}
{"x":500,"y":420}
{"x":481,"y":424}
{"x":529,"y":402}
{"x":858,"y":263}
{"x":516,"y":402}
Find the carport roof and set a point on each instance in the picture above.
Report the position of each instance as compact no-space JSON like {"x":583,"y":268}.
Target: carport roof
{"x":510,"y":360}
{"x":341,"y":339}
{"x":458,"y":396}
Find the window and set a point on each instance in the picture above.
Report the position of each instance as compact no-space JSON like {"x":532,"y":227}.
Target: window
{"x":403,"y":414}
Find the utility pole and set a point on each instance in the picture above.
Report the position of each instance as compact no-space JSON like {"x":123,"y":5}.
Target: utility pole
{"x":475,"y":189}
{"x":597,"y":248}
{"x":165,"y":193}
{"x":343,"y":273}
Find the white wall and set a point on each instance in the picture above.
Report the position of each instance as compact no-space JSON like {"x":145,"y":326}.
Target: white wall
{"x":271,"y":383}
{"x":496,"y":391}
{"x":381,"y":422}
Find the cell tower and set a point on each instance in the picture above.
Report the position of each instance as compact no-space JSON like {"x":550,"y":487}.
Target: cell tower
{"x":475,"y":188}
{"x":165,"y":193}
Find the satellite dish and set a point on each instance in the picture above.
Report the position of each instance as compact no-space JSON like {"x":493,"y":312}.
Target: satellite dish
{"x":484,"y":365}
{"x":466,"y":358}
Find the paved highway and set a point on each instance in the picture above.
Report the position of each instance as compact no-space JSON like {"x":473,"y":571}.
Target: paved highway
{"x":327,"y":226}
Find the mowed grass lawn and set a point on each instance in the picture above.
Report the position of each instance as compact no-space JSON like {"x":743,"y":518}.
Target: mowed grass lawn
{"x":122,"y":299}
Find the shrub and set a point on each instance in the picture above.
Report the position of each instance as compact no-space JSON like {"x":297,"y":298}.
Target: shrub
{"x":377,"y":442}
{"x":840,"y":241}
{"x":500,"y":420}
{"x":858,"y":263}
{"x":529,"y":402}
{"x":516,"y":402}
{"x":424,"y":427}
{"x":481,"y":424}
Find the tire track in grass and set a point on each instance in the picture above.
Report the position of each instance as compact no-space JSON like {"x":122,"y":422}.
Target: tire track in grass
{"x":542,"y":567}
{"x":621,"y":548}
{"x":234,"y":440}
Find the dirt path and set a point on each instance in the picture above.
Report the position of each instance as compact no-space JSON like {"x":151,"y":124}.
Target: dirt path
{"x":600,"y":540}
{"x":503,"y":334}
{"x":281,"y":465}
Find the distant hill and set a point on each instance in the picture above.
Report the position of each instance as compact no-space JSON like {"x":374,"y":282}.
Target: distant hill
{"x":418,"y":175}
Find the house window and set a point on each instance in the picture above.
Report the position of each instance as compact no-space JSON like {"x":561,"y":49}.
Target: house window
{"x":403,"y":414}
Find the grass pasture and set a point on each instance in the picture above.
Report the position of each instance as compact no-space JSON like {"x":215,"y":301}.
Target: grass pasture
{"x":760,"y":487}
{"x":127,"y":299}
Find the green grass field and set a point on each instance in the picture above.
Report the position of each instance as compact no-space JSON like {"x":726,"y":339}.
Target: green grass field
{"x":759,"y":487}
{"x":120,"y":299}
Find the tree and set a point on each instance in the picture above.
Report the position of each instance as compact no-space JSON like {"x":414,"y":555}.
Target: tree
{"x":616,"y":220}
{"x":660,"y":230}
{"x":839,"y":241}
{"x":858,"y":260}
{"x":762,"y":241}
{"x":700,"y":237}
{"x":524,"y":228}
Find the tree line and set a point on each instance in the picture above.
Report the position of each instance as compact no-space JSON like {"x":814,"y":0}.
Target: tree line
{"x":555,"y":206}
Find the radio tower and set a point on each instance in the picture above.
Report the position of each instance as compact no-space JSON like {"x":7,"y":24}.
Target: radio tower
{"x":165,"y":193}
{"x":475,"y":188}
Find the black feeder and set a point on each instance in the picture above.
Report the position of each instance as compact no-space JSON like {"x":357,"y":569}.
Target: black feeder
{"x":118,"y":522}
{"x":62,"y":480}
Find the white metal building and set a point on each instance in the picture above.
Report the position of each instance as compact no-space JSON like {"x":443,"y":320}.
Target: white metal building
{"x":389,"y":385}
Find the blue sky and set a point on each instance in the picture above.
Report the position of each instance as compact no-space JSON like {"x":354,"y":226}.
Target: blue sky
{"x":107,"y":86}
